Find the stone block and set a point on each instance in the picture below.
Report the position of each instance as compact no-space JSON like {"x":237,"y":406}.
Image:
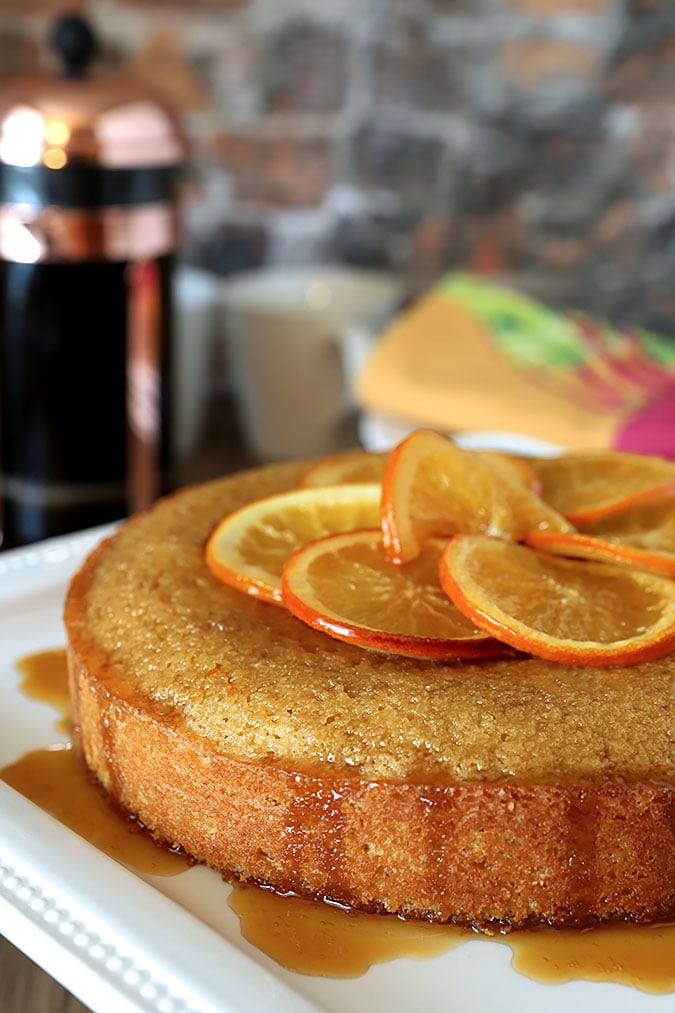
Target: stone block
{"x":304,"y":69}
{"x":275,"y":168}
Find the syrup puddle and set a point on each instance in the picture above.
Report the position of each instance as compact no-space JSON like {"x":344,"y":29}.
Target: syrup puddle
{"x":55,"y":779}
{"x":639,"y":955}
{"x":315,"y":938}
{"x":306,"y":936}
{"x":318,"y":939}
{"x":44,"y":677}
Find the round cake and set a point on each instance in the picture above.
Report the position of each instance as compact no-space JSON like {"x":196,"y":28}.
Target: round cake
{"x":497,"y":794}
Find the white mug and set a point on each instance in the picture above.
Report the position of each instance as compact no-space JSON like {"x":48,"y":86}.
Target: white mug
{"x":287,"y":330}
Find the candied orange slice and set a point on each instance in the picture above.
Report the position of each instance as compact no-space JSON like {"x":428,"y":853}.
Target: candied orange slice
{"x":649,"y":525}
{"x":642,"y":535}
{"x":344,"y":586}
{"x":517,"y":468}
{"x":587,"y":486}
{"x":433,"y":488}
{"x":248,"y":548}
{"x":366,"y":466}
{"x":349,"y":466}
{"x":579,"y":545}
{"x":587,"y":613}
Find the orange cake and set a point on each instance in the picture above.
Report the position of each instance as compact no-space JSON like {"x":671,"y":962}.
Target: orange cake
{"x":494,"y":793}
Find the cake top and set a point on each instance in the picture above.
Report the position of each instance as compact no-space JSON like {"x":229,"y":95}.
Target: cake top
{"x":147,"y":617}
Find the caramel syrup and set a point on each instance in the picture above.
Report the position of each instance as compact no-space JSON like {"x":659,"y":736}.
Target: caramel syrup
{"x":56,"y":779}
{"x":307,"y":936}
{"x":314,"y":938}
{"x":44,"y":677}
{"x":322,"y":939}
{"x":642,"y":956}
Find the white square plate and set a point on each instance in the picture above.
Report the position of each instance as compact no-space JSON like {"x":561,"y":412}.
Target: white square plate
{"x":123,"y":941}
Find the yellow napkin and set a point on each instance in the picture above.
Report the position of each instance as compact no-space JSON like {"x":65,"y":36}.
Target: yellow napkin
{"x":471,"y":355}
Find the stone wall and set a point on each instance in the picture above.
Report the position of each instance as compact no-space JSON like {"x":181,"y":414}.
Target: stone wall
{"x":529,"y":138}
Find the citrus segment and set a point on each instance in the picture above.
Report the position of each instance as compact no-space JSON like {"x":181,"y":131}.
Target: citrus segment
{"x":248,"y":548}
{"x":579,"y":545}
{"x":588,"y":613}
{"x":588,"y":486}
{"x":433,"y":488}
{"x":344,"y":586}
{"x":350,"y":466}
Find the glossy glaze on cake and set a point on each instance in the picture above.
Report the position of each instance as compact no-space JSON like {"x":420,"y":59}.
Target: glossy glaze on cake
{"x":495,"y":794}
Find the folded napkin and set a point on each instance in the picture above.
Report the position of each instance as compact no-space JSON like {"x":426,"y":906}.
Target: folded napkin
{"x":474,"y":355}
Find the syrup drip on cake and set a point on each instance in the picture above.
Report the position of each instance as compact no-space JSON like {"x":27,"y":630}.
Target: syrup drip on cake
{"x":307,"y":936}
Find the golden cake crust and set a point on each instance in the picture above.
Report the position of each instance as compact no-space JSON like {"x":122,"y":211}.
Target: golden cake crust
{"x":499,"y":792}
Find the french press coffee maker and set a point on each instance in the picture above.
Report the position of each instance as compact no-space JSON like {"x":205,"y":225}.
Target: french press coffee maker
{"x":89,"y":182}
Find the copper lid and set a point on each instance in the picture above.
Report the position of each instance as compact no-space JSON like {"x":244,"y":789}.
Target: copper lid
{"x":85,"y":119}
{"x":89,"y":164}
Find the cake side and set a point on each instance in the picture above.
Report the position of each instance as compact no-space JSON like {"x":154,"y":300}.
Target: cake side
{"x":491,"y":855}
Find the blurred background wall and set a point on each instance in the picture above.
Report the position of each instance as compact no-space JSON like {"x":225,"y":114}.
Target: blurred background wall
{"x":529,"y":138}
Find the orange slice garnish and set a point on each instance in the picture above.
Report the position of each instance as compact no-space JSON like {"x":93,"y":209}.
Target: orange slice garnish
{"x":432,"y":488}
{"x":349,"y":466}
{"x":344,"y":586}
{"x":367,"y":466}
{"x":578,"y":545}
{"x":517,"y":468}
{"x":642,"y":536}
{"x":587,"y":486}
{"x":248,"y":548}
{"x":589,"y":613}
{"x":649,"y":526}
